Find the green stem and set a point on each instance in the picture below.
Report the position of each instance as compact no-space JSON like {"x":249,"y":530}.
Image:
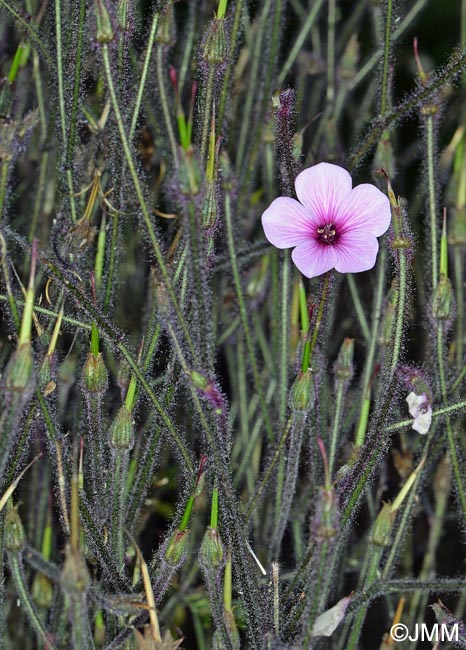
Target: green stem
{"x":61,"y":102}
{"x":142,"y":201}
{"x":207,"y":101}
{"x":164,"y":103}
{"x":430,"y":151}
{"x":400,"y":312}
{"x":457,"y":473}
{"x":358,"y":307}
{"x":386,"y":59}
{"x":244,"y":316}
{"x":27,"y":602}
{"x":144,"y":73}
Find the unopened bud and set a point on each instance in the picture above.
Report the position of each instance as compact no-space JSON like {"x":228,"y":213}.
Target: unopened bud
{"x":176,"y":549}
{"x":211,"y":551}
{"x":42,"y":591}
{"x":388,"y":319}
{"x":302,"y":391}
{"x":104,"y":26}
{"x":443,"y":299}
{"x":190,"y":176}
{"x":344,"y":364}
{"x":125,"y":11}
{"x":166,"y":27}
{"x":215,"y":48}
{"x":457,"y":231}
{"x":19,"y":373}
{"x":122,"y":431}
{"x":95,"y":376}
{"x":75,"y":576}
{"x":326,"y":518}
{"x":209,"y":210}
{"x":15,"y":538}
{"x":383,"y":526}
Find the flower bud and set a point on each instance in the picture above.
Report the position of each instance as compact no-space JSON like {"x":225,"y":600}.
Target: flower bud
{"x":443,"y":298}
{"x":457,"y":232}
{"x":75,"y":576}
{"x":42,"y":591}
{"x":19,"y":372}
{"x":388,"y":318}
{"x":214,"y":50}
{"x":166,"y":26}
{"x":326,"y":519}
{"x":45,"y":372}
{"x":15,"y":538}
{"x":211,"y":551}
{"x":121,"y":434}
{"x":189,"y":179}
{"x":176,"y":549}
{"x":383,"y":526}
{"x":344,"y":364}
{"x":104,"y":26}
{"x":95,"y":376}
{"x":209,"y":209}
{"x":302,"y":391}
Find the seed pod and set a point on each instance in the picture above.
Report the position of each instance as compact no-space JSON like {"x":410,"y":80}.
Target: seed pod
{"x":443,"y":299}
{"x":211,"y":551}
{"x":121,"y":434}
{"x":15,"y":538}
{"x":95,"y":376}
{"x":19,"y":372}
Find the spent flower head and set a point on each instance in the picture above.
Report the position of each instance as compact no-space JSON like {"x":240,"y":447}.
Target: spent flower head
{"x":332,"y":225}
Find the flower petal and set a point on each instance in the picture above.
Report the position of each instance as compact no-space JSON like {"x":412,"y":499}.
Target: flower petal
{"x":364,"y":208}
{"x":286,"y":223}
{"x":355,"y":252}
{"x":322,"y":188}
{"x":313,"y":259}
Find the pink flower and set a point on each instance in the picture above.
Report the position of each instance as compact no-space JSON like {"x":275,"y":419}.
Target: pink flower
{"x":332,"y":225}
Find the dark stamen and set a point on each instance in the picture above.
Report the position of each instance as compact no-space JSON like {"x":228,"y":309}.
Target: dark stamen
{"x":326,"y":234}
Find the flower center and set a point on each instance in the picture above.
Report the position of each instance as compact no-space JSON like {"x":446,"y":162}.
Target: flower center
{"x":326,"y":234}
